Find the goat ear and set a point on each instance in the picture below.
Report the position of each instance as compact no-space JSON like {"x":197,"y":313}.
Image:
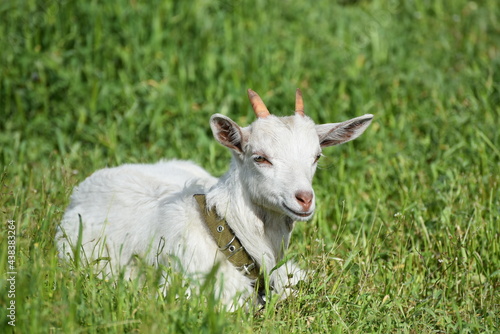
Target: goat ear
{"x":339,"y":133}
{"x":227,"y":132}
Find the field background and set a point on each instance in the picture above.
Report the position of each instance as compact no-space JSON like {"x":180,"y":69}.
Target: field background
{"x":406,"y":237}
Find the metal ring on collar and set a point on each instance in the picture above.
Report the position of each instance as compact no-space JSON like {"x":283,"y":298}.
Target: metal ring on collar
{"x":247,"y":267}
{"x":234,"y":251}
{"x":228,"y":244}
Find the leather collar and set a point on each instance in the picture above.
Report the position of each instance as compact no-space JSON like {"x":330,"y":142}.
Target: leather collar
{"x":228,"y":243}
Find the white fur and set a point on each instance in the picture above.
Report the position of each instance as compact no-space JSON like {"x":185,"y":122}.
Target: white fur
{"x":149,"y":210}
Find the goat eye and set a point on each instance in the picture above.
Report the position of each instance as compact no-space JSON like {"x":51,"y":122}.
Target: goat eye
{"x":317,"y":158}
{"x":261,"y":160}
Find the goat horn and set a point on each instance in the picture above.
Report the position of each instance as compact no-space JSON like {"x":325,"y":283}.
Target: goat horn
{"x":299,"y":103}
{"x":258,"y":105}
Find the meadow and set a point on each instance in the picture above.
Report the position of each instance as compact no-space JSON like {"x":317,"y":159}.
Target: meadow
{"x":406,"y":238}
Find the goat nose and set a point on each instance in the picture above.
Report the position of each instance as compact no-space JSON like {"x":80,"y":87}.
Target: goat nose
{"x":305,"y":199}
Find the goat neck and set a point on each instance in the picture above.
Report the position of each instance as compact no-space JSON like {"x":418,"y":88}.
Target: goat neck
{"x":264,"y":234}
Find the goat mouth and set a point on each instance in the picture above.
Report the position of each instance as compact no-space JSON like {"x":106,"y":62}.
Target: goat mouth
{"x":299,"y":214}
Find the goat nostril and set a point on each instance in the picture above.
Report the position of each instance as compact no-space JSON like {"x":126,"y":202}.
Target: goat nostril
{"x":304,"y":198}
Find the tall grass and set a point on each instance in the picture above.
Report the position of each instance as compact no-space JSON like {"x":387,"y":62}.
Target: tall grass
{"x":406,"y":237}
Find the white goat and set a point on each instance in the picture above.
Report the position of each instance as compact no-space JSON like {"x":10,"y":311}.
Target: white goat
{"x":150,"y":210}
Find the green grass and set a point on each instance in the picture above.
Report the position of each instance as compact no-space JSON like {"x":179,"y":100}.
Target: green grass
{"x":406,"y":237}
